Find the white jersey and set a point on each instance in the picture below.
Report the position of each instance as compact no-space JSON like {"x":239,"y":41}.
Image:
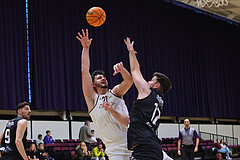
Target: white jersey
{"x":110,"y":130}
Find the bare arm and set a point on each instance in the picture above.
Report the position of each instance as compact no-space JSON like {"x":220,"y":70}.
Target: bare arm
{"x":179,"y":144}
{"x":87,"y":84}
{"x":21,"y":128}
{"x":1,"y":136}
{"x":140,"y":83}
{"x":120,"y":117}
{"x":197,"y":143}
{"x":127,"y":82}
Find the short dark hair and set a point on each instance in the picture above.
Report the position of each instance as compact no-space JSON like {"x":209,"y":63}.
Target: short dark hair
{"x":21,"y":105}
{"x":40,"y":144}
{"x":92,"y":130}
{"x":164,"y":81}
{"x":97,"y":72}
{"x":39,"y":135}
{"x":47,"y":131}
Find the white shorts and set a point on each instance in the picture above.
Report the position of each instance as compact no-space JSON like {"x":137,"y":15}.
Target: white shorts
{"x":118,"y":151}
{"x":119,"y":157}
{"x":165,"y":156}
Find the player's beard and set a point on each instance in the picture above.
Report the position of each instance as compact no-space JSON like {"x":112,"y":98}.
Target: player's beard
{"x":26,"y":116}
{"x":101,"y":86}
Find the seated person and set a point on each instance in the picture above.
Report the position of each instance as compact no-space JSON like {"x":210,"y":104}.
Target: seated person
{"x":81,"y":152}
{"x":224,"y":145}
{"x":42,"y":154}
{"x":220,"y":149}
{"x":39,"y":139}
{"x":48,"y":138}
{"x":98,"y":153}
{"x":93,"y":138}
{"x":32,"y":153}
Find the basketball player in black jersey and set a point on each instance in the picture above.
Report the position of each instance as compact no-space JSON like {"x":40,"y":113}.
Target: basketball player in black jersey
{"x":145,"y":114}
{"x":13,"y":138}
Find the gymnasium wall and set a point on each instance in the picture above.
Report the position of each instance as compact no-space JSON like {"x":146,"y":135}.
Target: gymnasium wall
{"x":60,"y":129}
{"x":200,"y":54}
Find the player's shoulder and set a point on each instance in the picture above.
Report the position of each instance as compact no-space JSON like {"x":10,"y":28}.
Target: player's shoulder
{"x":111,"y":91}
{"x":22,"y":122}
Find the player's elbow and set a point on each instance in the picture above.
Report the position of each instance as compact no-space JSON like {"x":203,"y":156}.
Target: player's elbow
{"x":18,"y":141}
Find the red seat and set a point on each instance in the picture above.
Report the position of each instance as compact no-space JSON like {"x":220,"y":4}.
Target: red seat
{"x":72,"y":140}
{"x":174,"y":148}
{"x":57,"y":145}
{"x":72,"y":144}
{"x":66,"y":140}
{"x":65,"y":149}
{"x":72,"y":148}
{"x":57,"y":149}
{"x":72,"y":154}
{"x":65,"y":144}
{"x":49,"y":145}
{"x":170,"y":148}
{"x":57,"y":141}
{"x":29,"y":141}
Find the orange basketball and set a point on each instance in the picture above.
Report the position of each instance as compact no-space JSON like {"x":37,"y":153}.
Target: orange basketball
{"x":96,"y":16}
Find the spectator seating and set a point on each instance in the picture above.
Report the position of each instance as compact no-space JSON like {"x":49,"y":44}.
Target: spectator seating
{"x":65,"y":149}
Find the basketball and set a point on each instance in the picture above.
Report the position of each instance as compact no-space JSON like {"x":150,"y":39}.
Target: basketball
{"x":96,"y":16}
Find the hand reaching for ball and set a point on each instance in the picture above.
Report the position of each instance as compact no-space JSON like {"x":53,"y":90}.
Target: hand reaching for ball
{"x":84,"y":39}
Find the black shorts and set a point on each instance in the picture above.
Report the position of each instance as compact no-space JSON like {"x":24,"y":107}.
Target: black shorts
{"x":11,"y":157}
{"x":147,"y":152}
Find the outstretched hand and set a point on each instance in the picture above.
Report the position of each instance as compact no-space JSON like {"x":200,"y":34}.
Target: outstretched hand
{"x":84,"y":39}
{"x":129,"y":45}
{"x":117,"y":68}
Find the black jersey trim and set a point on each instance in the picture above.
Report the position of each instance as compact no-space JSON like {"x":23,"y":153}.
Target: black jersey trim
{"x":94,"y":104}
{"x":115,"y":94}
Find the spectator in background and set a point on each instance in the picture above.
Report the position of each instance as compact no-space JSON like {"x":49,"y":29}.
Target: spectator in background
{"x":81,"y":152}
{"x":32,"y":153}
{"x":93,"y":138}
{"x":220,"y":149}
{"x":187,"y":136}
{"x":224,"y":145}
{"x":98,"y":153}
{"x":48,"y":138}
{"x":39,"y":140}
{"x":85,"y":134}
{"x":42,"y":154}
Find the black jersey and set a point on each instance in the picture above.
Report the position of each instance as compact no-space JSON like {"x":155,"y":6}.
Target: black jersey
{"x":144,"y":120}
{"x":8,"y":145}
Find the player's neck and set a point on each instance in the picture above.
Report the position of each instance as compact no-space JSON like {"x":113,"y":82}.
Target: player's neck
{"x":187,"y":127}
{"x":101,"y":91}
{"x":19,"y":116}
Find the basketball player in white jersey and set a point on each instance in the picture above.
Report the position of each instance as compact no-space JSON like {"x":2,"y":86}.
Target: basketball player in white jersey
{"x":96,"y":91}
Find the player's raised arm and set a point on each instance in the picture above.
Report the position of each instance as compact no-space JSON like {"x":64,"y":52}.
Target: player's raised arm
{"x":21,"y":128}
{"x":87,"y":84}
{"x":140,"y":83}
{"x":127,"y":82}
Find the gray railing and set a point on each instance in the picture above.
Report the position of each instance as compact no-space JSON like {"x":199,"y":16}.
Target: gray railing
{"x":210,"y":136}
